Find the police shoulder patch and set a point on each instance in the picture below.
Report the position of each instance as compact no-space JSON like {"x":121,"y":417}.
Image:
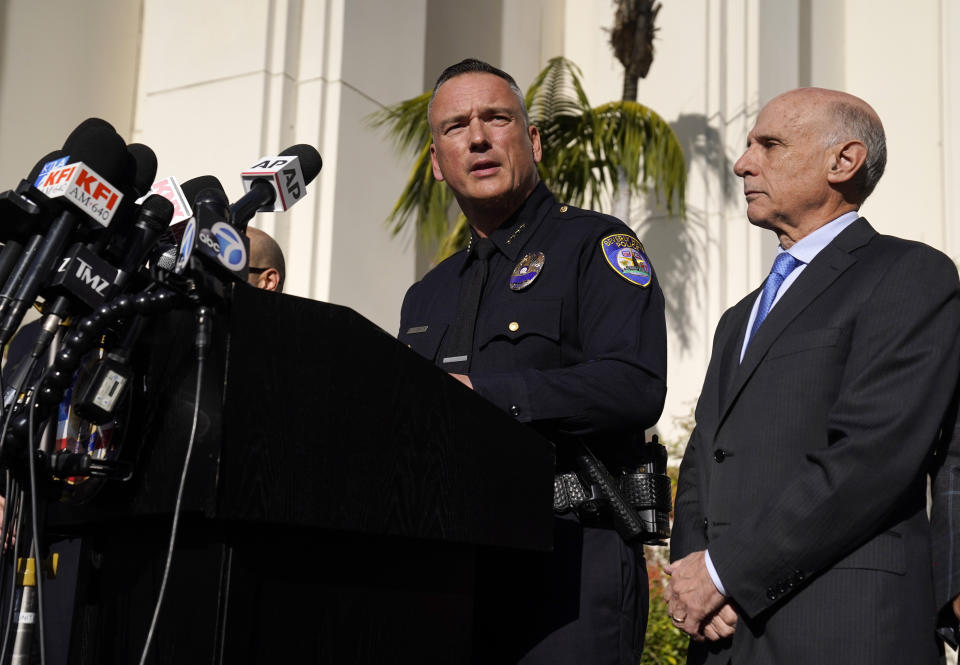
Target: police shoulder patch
{"x":626,"y":256}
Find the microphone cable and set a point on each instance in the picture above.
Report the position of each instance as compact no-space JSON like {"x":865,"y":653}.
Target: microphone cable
{"x":16,"y":520}
{"x":35,"y":524}
{"x":202,"y":344}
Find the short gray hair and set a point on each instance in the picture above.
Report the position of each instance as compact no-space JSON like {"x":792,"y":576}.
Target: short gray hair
{"x":851,"y":121}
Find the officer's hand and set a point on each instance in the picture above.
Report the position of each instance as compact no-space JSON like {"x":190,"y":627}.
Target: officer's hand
{"x":956,"y":606}
{"x":464,"y":379}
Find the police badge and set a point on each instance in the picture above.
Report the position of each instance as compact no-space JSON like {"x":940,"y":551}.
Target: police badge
{"x":527,"y":270}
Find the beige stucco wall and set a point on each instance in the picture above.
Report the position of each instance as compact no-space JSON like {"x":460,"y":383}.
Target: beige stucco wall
{"x":61,"y":62}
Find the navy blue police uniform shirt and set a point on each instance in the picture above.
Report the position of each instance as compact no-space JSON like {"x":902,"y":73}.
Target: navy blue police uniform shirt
{"x":580,"y":347}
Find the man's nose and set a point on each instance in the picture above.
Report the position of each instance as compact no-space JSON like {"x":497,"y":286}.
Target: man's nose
{"x":478,"y":135}
{"x":744,"y":165}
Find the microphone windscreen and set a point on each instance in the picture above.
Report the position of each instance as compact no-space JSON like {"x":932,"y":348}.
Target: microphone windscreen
{"x":145,"y":167}
{"x":102,"y":150}
{"x":156,"y":211}
{"x":194,"y":186}
{"x":49,"y":157}
{"x":86,"y":126}
{"x":310,"y":160}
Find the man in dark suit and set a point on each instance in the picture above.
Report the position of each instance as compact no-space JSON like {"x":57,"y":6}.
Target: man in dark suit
{"x":945,"y":525}
{"x":801,"y":533}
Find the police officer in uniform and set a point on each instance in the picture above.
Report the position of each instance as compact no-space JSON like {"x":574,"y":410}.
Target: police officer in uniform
{"x":553,"y":314}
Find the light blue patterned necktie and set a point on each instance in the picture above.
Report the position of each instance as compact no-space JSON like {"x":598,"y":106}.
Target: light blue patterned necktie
{"x":783,"y":266}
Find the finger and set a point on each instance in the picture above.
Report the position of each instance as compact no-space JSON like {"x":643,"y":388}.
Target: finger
{"x":719,"y":629}
{"x":710,"y":633}
{"x":727,"y":615}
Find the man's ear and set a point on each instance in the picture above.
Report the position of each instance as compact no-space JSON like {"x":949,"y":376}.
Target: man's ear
{"x":436,"y":165}
{"x":846,"y":160}
{"x":535,"y":142}
{"x":269,"y":279}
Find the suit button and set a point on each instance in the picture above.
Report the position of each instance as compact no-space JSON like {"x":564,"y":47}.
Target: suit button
{"x":720,"y":455}
{"x":514,"y":410}
{"x":705,"y":523}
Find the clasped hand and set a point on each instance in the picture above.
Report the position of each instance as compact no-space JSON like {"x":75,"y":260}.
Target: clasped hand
{"x":693,"y":602}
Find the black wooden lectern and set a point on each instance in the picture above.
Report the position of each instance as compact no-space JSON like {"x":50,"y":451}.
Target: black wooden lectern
{"x":343,"y":495}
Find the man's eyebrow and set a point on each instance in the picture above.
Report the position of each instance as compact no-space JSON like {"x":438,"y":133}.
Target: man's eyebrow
{"x":484,"y":112}
{"x":456,"y":117}
{"x":499,"y":110}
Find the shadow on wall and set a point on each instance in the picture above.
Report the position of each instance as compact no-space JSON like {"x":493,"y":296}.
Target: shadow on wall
{"x":679,"y":245}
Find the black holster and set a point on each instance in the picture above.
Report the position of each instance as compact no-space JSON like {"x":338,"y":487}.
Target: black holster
{"x":636,"y":502}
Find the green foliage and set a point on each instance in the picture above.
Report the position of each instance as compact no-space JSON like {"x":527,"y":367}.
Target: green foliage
{"x":664,"y":645}
{"x":423,"y":197}
{"x":584,"y":149}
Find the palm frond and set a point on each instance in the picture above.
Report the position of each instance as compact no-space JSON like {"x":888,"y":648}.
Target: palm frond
{"x":423,"y":198}
{"x":406,"y":122}
{"x":633,"y":137}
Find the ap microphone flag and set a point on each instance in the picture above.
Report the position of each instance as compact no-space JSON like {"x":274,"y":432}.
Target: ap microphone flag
{"x":285,"y":176}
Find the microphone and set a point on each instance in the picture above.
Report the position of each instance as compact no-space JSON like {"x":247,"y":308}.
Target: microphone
{"x":145,"y":169}
{"x":209,"y":236}
{"x":168,"y":248}
{"x":86,"y":185}
{"x":155,"y":215}
{"x":171,"y":190}
{"x":111,"y":244}
{"x":24,"y":211}
{"x":24,"y":208}
{"x":274,"y":184}
{"x":85,"y":190}
{"x":84,"y":276}
{"x":49,"y":162}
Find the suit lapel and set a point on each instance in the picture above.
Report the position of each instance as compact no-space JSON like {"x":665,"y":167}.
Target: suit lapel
{"x":730,"y":348}
{"x":832,"y":261}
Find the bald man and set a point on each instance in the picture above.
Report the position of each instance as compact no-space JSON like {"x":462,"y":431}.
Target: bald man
{"x":267,"y":268}
{"x":801,"y":533}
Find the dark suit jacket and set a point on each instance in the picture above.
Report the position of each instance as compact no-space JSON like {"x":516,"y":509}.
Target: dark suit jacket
{"x":945,"y":527}
{"x":806,"y":474}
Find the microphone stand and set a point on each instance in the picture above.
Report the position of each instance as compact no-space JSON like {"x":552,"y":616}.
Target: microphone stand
{"x":29,"y":568}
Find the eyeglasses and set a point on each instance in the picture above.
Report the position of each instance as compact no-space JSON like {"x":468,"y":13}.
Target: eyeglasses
{"x":257,"y":271}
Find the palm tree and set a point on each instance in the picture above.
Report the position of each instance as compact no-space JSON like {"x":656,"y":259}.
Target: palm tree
{"x":631,"y":38}
{"x":585,"y":149}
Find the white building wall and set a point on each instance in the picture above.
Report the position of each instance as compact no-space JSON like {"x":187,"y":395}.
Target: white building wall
{"x":61,"y":62}
{"x":895,"y":65}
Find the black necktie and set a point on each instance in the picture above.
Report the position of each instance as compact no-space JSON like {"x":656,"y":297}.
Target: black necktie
{"x":458,"y":346}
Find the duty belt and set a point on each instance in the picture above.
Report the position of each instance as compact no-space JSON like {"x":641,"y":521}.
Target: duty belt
{"x":637,"y":501}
